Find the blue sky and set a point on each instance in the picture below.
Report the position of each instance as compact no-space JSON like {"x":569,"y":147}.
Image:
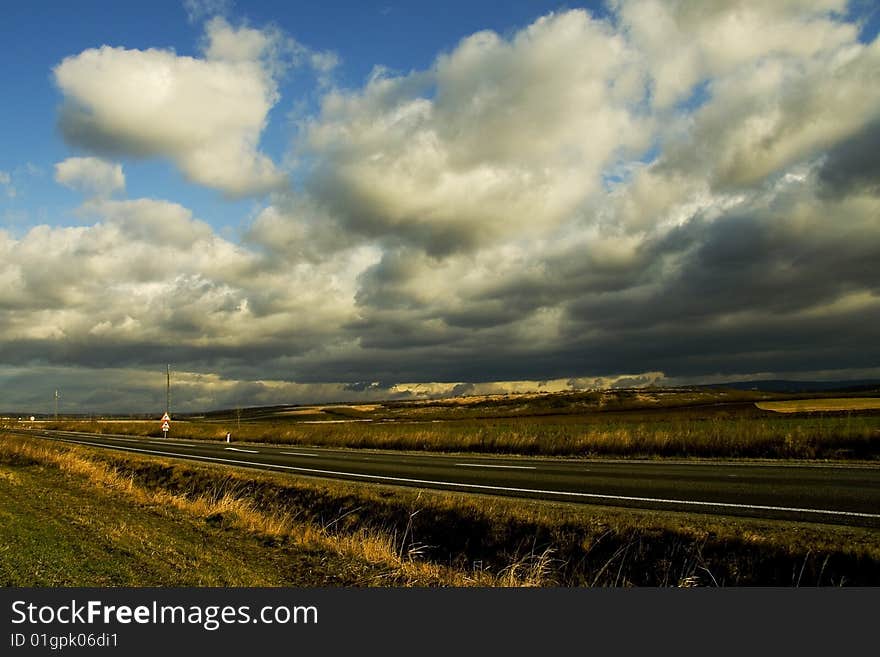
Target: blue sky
{"x":39,"y":35}
{"x":402,"y":36}
{"x":296,"y":202}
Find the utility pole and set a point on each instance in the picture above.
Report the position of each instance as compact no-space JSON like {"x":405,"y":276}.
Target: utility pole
{"x":166,"y":419}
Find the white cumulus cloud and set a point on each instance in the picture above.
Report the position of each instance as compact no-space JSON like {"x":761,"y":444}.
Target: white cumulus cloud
{"x":90,"y":175}
{"x":500,"y":136}
{"x":206,"y":114}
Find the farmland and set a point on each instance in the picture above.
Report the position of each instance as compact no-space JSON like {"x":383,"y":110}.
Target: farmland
{"x":303,"y":531}
{"x":822,"y":405}
{"x":689,"y":424}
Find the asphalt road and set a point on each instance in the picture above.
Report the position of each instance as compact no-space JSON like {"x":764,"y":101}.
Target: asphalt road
{"x":829,"y":493}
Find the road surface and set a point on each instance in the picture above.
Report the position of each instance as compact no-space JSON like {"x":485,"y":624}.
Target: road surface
{"x":818,"y":492}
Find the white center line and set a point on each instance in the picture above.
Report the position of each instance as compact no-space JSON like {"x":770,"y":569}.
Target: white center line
{"x":115,"y":438}
{"x":484,"y":465}
{"x":298,"y":454}
{"x":429,"y":482}
{"x":247,"y":451}
{"x":163,"y":442}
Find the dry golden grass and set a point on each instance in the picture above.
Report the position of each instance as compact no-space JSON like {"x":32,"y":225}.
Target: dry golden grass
{"x":9,"y":477}
{"x":235,"y":510}
{"x":767,"y":436}
{"x":820,"y":405}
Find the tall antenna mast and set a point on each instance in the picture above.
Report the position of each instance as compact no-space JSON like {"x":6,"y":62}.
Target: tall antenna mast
{"x":168,"y":389}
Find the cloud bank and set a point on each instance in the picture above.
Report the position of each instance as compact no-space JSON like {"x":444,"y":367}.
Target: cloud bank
{"x":684,"y":189}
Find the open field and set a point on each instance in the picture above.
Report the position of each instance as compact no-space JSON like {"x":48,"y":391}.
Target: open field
{"x":742,"y":432}
{"x":820,"y":405}
{"x":132,"y":520}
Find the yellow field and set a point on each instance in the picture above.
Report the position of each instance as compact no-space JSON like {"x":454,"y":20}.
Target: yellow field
{"x":806,"y":405}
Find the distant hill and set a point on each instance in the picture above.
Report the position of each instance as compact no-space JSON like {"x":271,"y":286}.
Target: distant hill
{"x":800,"y":386}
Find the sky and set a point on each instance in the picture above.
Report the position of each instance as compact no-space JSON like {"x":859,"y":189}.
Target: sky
{"x":316,"y":202}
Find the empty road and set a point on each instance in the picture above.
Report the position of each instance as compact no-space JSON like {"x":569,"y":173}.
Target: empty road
{"x":835,"y":493}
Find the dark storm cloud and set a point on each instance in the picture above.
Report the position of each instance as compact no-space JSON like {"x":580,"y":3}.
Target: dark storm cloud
{"x":762,"y":344}
{"x":776,"y":285}
{"x":853,"y":165}
{"x":562,"y":276}
{"x":747,"y":274}
{"x":396,"y":331}
{"x":252,"y":360}
{"x":769,"y":344}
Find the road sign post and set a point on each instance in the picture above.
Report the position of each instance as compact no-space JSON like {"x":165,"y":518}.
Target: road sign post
{"x":166,"y":425}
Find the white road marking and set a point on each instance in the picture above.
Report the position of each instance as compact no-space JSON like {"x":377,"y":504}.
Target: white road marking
{"x":112,"y":436}
{"x":168,"y":442}
{"x":484,"y":465}
{"x":563,"y":493}
{"x":349,"y":421}
{"x":298,"y":454}
{"x":236,"y":449}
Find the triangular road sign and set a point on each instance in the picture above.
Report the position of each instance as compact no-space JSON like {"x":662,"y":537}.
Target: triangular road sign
{"x":166,"y":418}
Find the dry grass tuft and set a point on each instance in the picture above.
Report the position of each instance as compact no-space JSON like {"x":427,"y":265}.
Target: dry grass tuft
{"x":229,"y":505}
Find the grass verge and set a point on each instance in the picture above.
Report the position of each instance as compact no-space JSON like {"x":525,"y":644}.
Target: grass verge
{"x":70,"y":520}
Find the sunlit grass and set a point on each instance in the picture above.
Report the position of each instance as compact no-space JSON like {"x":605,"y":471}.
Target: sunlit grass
{"x":227,"y":503}
{"x":826,"y":405}
{"x":816,"y":437}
